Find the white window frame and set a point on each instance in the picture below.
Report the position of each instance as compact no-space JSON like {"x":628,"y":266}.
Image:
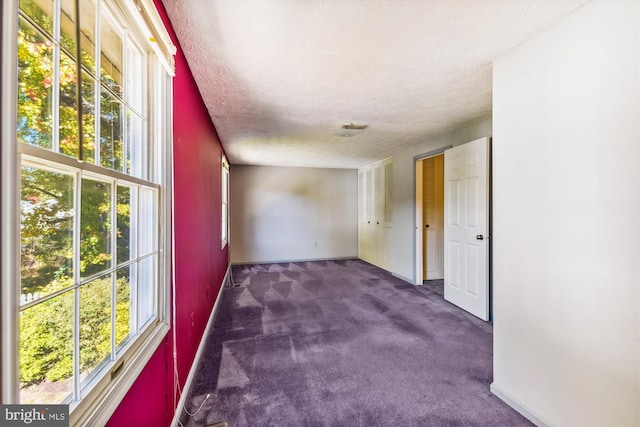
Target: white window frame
{"x":224,"y":196}
{"x":108,"y":389}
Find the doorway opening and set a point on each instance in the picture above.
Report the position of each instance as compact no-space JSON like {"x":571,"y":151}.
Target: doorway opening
{"x":430,"y":222}
{"x":453,"y":243}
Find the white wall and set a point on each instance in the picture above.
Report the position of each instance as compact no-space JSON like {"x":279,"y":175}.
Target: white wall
{"x":566,"y":135}
{"x":404,"y":192}
{"x":279,"y":213}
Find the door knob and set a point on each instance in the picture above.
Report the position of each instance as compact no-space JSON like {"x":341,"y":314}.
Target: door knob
{"x":479,"y":237}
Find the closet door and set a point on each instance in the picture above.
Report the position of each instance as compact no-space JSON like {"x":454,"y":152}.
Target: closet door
{"x":374,"y":214}
{"x":369,"y":195}
{"x":387,"y":215}
{"x":378,"y":194}
{"x":433,"y":217}
{"x":362,"y":212}
{"x":388,"y":194}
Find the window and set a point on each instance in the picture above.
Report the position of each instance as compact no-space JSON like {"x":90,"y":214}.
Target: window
{"x":93,"y":103}
{"x":225,"y":201}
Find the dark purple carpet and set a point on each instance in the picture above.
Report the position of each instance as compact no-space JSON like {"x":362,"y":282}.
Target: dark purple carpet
{"x":342,"y":343}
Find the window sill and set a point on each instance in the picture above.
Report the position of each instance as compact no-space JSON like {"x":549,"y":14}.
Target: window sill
{"x":101,"y":402}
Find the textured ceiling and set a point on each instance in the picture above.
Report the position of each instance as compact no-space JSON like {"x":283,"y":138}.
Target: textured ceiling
{"x":280,"y":77}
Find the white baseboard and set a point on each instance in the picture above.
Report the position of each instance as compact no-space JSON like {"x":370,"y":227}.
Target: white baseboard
{"x":196,"y":359}
{"x":506,"y":398}
{"x":401,"y":277}
{"x":278,"y":261}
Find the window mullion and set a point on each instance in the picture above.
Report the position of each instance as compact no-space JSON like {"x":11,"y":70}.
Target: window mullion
{"x":97,"y":85}
{"x":114,"y":263}
{"x":79,"y":108}
{"x":55,"y":96}
{"x":76,"y":281}
{"x":134,"y":287}
{"x":39,"y":155}
{"x":125,"y":100}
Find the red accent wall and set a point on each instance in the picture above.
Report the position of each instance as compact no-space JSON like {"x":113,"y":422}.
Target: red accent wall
{"x":200,"y":264}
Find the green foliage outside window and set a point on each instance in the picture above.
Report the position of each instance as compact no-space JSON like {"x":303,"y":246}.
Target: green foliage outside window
{"x":46,"y":344}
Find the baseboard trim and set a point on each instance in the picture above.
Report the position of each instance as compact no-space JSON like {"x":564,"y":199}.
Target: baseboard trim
{"x":196,"y":359}
{"x":515,"y":404}
{"x":294,"y":260}
{"x":401,"y":277}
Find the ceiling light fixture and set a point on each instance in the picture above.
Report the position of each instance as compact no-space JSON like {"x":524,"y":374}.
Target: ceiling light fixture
{"x":349,"y":129}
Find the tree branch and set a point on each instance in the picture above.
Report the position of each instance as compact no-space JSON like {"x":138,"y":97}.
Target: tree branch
{"x":42,"y":190}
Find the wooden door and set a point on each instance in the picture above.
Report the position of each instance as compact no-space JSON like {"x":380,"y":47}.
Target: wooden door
{"x":433,"y":218}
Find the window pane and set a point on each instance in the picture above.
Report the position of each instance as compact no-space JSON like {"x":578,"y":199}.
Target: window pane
{"x":68,"y":112}
{"x":146,"y":290}
{"x":111,"y":154}
{"x":95,"y":325}
{"x":88,"y":34}
{"x":224,"y":224}
{"x":41,"y":11}
{"x":136,"y":144}
{"x":46,"y":232}
{"x":35,"y":87}
{"x":225,"y":202}
{"x":88,"y":118}
{"x":126,"y":238}
{"x":95,"y":227}
{"x":148,"y":221}
{"x":68,"y":25}
{"x":135,"y":77}
{"x":111,"y":56}
{"x":46,"y":350}
{"x":124,"y":325}
{"x":225,"y":184}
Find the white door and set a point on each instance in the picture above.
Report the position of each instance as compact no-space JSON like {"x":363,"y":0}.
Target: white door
{"x":466,"y":229}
